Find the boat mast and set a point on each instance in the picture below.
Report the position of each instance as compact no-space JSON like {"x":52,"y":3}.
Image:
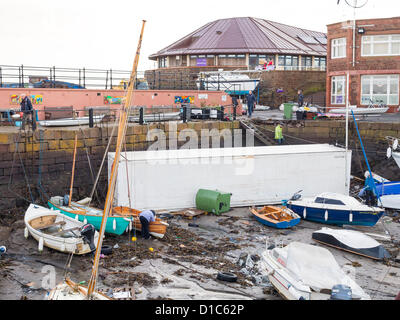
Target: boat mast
{"x":113,"y":177}
{"x":73,"y":172}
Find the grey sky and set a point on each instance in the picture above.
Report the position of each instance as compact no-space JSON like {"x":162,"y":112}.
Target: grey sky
{"x":104,"y":34}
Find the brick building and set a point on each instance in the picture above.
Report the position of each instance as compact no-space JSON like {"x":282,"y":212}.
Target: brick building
{"x":373,"y":63}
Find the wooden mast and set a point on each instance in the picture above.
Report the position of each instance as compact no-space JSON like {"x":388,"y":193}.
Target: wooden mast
{"x":73,"y":172}
{"x":123,"y":119}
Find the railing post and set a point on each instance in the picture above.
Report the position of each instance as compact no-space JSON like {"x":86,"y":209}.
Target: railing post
{"x":34,"y":112}
{"x":91,"y":122}
{"x":234,"y":112}
{"x":184,"y":113}
{"x":111,"y":85}
{"x":22,"y":77}
{"x":106,"y":79}
{"x":54,"y":76}
{"x":84,"y":78}
{"x":141,"y":120}
{"x":1,"y":78}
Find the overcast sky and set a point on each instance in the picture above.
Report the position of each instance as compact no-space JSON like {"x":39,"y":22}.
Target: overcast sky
{"x":103,"y":34}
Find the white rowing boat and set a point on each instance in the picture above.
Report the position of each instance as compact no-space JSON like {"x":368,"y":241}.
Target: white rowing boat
{"x":66,"y":122}
{"x":360,"y":111}
{"x":56,"y":231}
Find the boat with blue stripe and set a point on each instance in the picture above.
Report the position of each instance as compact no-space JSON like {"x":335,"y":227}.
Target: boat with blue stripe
{"x":276,"y":217}
{"x":336,"y":209}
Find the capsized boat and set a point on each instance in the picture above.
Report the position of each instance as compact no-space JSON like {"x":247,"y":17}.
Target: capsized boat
{"x":69,"y":290}
{"x":334,"y":208}
{"x":66,"y":122}
{"x":276,"y":217}
{"x":302,"y":271}
{"x":59,"y":232}
{"x":352,"y":241}
{"x":116,"y":224}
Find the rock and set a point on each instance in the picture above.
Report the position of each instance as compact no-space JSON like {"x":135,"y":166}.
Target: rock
{"x":4,"y":233}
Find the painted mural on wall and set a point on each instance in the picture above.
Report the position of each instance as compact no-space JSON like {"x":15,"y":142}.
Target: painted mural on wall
{"x":184,"y":99}
{"x":35,"y":99}
{"x":113,"y":100}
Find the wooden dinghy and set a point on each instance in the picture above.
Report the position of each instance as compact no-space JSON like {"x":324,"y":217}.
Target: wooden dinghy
{"x":69,"y":290}
{"x":55,"y":230}
{"x":156,"y":229}
{"x":276,"y":217}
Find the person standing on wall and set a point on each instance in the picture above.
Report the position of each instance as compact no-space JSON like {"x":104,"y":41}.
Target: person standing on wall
{"x":251,"y":99}
{"x":278,"y":133}
{"x":146,"y":217}
{"x":26,"y":109}
{"x":300,"y":98}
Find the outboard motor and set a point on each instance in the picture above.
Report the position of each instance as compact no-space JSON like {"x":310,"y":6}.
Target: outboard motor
{"x":341,"y":292}
{"x":296,"y":196}
{"x":66,"y":200}
{"x":87,"y":233}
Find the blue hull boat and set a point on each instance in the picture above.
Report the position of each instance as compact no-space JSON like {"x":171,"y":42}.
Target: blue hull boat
{"x":336,"y":209}
{"x":388,"y":193}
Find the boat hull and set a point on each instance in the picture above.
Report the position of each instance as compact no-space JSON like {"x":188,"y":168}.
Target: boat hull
{"x":114,"y":225}
{"x":67,"y":245}
{"x":376,"y":253}
{"x":337,"y":217}
{"x":270,"y":222}
{"x":70,"y":121}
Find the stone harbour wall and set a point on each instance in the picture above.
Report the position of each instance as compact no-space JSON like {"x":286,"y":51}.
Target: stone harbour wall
{"x":36,"y":166}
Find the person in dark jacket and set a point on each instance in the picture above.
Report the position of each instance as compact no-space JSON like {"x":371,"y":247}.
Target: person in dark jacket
{"x":251,"y":99}
{"x":26,"y":109}
{"x":146,"y":217}
{"x":300,"y":99}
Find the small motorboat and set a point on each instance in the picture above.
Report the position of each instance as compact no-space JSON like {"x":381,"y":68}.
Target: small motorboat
{"x":334,"y":208}
{"x":302,"y":271}
{"x":59,"y":232}
{"x":67,"y":122}
{"x":276,"y":217}
{"x":352,"y":241}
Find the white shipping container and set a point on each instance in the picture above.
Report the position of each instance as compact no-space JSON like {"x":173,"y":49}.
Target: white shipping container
{"x":170,"y":179}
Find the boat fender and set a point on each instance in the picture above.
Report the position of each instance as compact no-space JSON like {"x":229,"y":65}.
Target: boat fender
{"x":40,"y":246}
{"x":76,"y":218}
{"x":106,"y":250}
{"x":85,"y":221}
{"x":62,"y":247}
{"x":26,"y":233}
{"x":351,"y":217}
{"x":305,"y":213}
{"x":130,"y":225}
{"x":270,"y":273}
{"x":115,"y":224}
{"x":326,"y":215}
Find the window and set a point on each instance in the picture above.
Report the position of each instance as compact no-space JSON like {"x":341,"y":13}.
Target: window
{"x":258,"y":61}
{"x":320,"y":63}
{"x":338,"y":90}
{"x":288,"y":62}
{"x":382,"y":45}
{"x":380,"y":88}
{"x":306,"y":63}
{"x":338,"y":48}
{"x":232,"y":60}
{"x":162,"y":62}
{"x":329,"y":201}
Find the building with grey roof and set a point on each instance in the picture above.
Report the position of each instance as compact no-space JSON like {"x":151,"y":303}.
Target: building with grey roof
{"x":246,"y":43}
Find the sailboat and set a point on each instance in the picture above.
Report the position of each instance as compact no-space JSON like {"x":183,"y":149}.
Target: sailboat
{"x":69,"y":290}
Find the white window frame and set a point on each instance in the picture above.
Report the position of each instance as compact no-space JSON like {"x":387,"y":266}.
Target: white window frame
{"x":389,"y":79}
{"x":371,"y":40}
{"x":335,"y":45}
{"x":334,"y":93}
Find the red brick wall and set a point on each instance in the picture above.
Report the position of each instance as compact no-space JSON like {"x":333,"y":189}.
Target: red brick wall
{"x":363,"y":65}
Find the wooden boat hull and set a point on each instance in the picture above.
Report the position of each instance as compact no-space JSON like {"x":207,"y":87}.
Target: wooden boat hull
{"x":37,"y":217}
{"x":156,"y":229}
{"x":275,"y":217}
{"x":115,"y":225}
{"x":69,"y":290}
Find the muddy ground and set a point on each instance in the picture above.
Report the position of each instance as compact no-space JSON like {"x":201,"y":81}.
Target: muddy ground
{"x":185,"y":263}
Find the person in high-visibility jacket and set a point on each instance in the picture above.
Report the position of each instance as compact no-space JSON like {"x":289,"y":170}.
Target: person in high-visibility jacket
{"x":278,"y":134}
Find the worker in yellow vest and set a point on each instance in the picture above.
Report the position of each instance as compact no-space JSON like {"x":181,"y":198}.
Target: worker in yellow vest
{"x":278,"y":133}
